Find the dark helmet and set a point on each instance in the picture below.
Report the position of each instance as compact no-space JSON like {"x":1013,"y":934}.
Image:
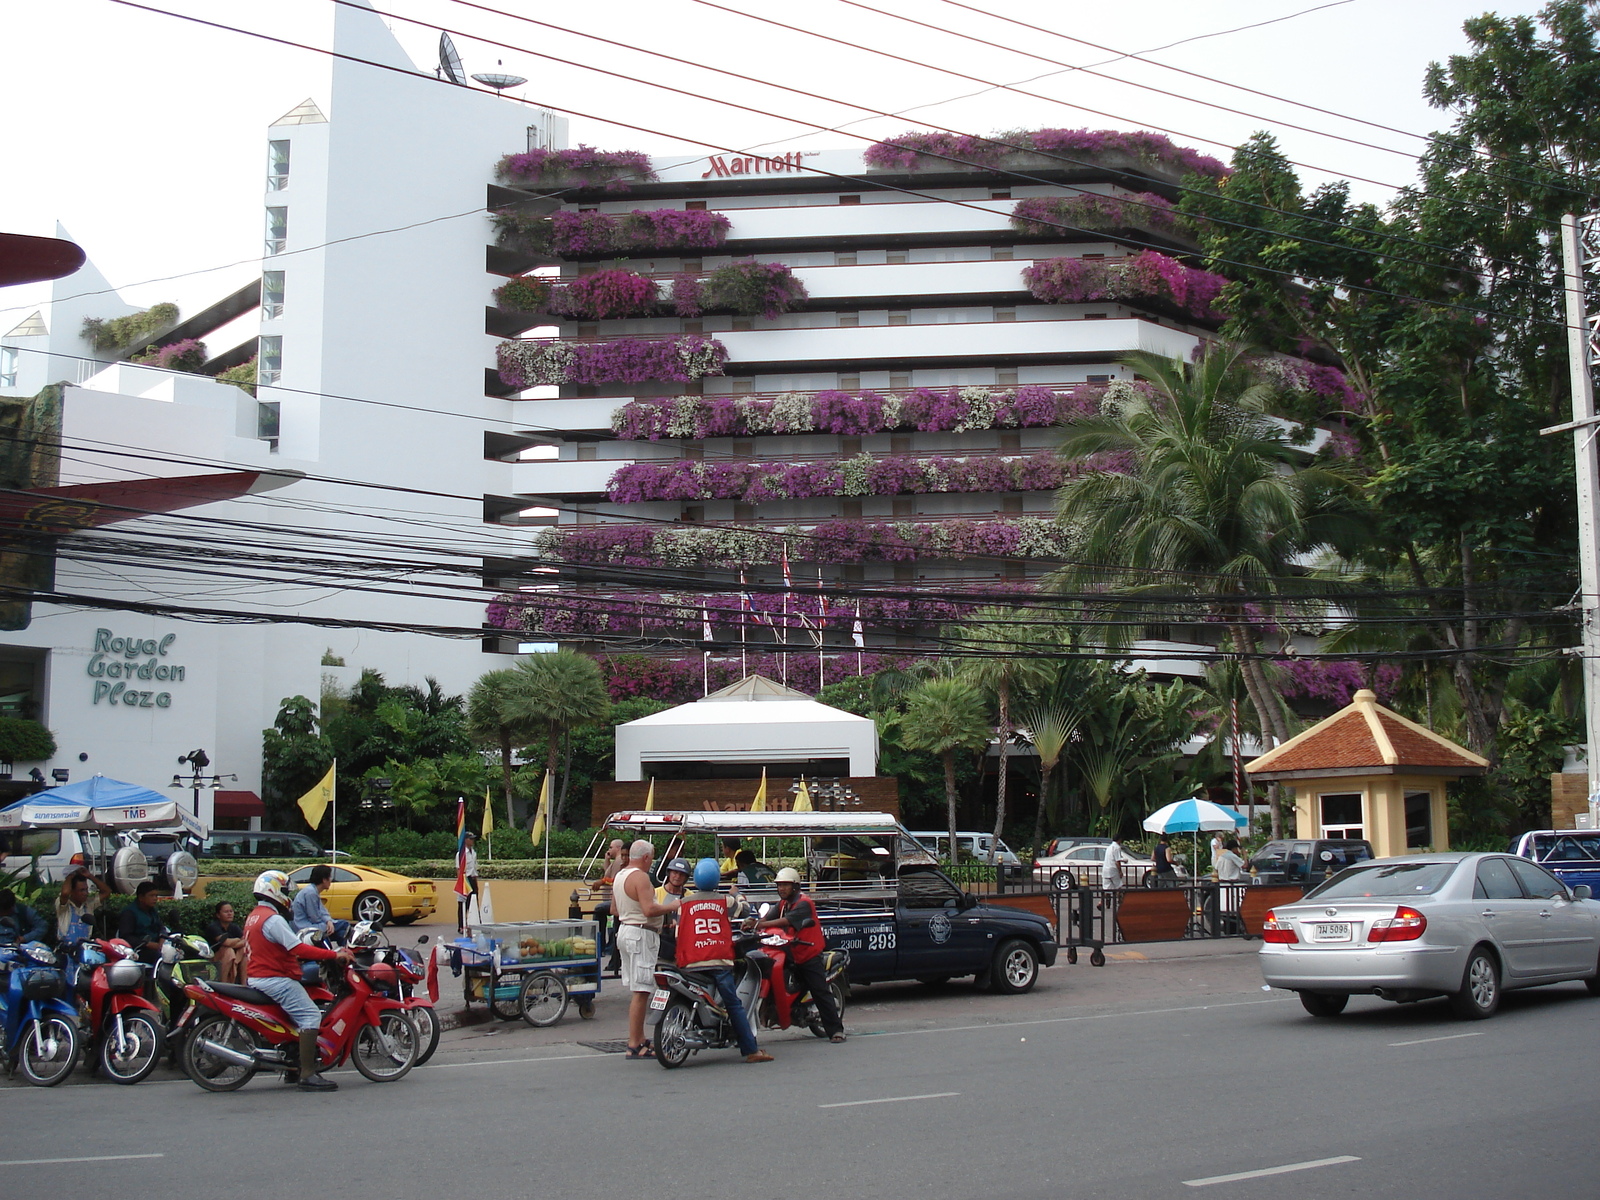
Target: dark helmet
{"x":679,"y":864}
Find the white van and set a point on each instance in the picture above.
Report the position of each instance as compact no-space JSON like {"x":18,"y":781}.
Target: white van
{"x":974,"y":846}
{"x":59,"y":852}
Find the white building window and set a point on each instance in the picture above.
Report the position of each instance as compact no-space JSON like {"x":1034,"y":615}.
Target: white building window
{"x":277,"y":230}
{"x":277,"y":166}
{"x":271,"y":295}
{"x":267,"y":416}
{"x":8,"y":366}
{"x":269,"y":364}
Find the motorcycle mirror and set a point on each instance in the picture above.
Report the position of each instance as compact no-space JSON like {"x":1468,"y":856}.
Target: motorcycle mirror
{"x":423,"y":940}
{"x":766,"y":912}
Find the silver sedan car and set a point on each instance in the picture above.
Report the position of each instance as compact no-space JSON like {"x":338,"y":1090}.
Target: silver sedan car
{"x":1465,"y":926}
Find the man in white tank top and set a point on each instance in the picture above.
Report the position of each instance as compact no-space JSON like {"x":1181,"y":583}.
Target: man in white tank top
{"x":639,"y":939}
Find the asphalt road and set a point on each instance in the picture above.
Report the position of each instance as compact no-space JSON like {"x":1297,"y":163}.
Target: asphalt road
{"x":1141,"y":1079}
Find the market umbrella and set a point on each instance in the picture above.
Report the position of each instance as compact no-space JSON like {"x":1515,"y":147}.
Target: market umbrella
{"x":100,"y":803}
{"x":1193,"y":815}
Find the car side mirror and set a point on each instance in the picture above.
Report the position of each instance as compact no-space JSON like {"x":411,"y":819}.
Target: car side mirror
{"x":968,"y":900}
{"x":1582,"y":892}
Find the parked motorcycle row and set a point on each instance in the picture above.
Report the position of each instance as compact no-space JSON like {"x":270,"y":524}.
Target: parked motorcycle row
{"x":97,"y":1003}
{"x":691,"y":1015}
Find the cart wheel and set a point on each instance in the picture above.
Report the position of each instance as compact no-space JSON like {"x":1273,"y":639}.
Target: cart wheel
{"x":586,"y":1009}
{"x":503,"y":998}
{"x":542,"y":999}
{"x":1097,"y":958}
{"x":1072,"y":954}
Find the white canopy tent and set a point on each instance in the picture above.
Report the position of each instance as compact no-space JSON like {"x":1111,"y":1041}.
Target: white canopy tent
{"x":754,"y":721}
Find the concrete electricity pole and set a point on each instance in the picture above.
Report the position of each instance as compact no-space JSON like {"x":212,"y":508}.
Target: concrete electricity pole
{"x":1579,"y":253}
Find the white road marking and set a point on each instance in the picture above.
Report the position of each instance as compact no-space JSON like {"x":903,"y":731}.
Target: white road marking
{"x":890,"y":1100}
{"x":43,"y":1162}
{"x":1449,"y":1037}
{"x":1265,"y":1171}
{"x":500,"y":1062}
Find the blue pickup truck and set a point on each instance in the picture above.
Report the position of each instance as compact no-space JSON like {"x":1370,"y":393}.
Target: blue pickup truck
{"x":1572,"y":855}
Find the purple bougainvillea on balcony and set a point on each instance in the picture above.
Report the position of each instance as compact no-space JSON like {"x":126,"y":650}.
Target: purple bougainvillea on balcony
{"x":1049,"y":215}
{"x":852,"y":414}
{"x":588,"y":234}
{"x":1146,"y":276}
{"x":535,"y":363}
{"x":915,"y":150}
{"x":582,"y":165}
{"x":187,"y":355}
{"x":605,"y":295}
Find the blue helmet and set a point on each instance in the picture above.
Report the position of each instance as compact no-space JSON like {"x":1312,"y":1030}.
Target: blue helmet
{"x":707,"y":874}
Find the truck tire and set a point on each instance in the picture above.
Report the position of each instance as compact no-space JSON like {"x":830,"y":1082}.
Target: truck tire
{"x":1015,"y":969}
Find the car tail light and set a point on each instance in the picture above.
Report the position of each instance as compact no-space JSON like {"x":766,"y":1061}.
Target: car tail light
{"x":79,"y":859}
{"x":411,"y":887}
{"x":1274,"y":930}
{"x":1407,"y":925}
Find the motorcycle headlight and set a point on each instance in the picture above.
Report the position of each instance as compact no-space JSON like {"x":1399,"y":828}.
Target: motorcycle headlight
{"x":40,"y":953}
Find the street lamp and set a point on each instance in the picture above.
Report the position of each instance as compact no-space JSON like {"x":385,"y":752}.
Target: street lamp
{"x":198,"y":761}
{"x":377,"y":801}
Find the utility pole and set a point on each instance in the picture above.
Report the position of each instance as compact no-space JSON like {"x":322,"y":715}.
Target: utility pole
{"x":1578,"y":252}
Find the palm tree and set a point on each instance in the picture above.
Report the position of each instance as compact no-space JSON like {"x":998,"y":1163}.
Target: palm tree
{"x":943,"y":716}
{"x":1050,"y":727}
{"x":1216,"y":506}
{"x":561,"y":691}
{"x":500,"y":712}
{"x":994,"y":632}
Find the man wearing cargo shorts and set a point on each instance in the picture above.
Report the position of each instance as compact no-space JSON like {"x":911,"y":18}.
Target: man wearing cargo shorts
{"x":639,"y":938}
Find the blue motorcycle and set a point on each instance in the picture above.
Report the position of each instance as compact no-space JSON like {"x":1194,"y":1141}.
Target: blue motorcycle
{"x":39,"y":1022}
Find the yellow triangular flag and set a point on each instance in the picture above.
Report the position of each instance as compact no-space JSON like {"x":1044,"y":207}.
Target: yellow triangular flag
{"x":315,"y":802}
{"x":759,"y":804}
{"x":650,"y":796}
{"x":537,"y":834}
{"x":802,"y":800}
{"x":488,"y":814}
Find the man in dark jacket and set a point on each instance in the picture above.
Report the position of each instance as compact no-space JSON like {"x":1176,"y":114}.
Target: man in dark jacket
{"x":18,"y":922}
{"x":141,"y":926}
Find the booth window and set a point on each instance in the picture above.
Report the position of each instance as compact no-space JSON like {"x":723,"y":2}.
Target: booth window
{"x":1419,"y":820}
{"x":1341,"y":815}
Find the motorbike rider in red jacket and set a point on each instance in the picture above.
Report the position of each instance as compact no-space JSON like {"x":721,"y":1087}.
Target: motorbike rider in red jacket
{"x":797,"y":912}
{"x":705,"y":944}
{"x":276,"y":954}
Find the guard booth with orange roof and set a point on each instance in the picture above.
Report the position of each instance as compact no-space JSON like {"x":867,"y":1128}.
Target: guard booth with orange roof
{"x":1367,"y":772}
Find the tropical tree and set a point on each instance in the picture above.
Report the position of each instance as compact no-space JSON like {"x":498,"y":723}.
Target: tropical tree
{"x":1216,"y":509}
{"x":944,"y":716}
{"x":1049,"y":726}
{"x":559,"y":692}
{"x":1129,"y":744}
{"x":500,"y":713}
{"x":294,"y":755}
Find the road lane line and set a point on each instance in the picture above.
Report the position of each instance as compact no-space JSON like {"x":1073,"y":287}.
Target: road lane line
{"x":890,"y":1100}
{"x":1449,"y":1037}
{"x":44,"y":1162}
{"x":500,"y":1062}
{"x":1265,"y":1171}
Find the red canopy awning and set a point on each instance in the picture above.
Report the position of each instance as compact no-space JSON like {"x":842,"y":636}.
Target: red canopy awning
{"x":240,"y":804}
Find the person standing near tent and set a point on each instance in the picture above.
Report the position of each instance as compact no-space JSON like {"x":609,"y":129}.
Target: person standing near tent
{"x":1166,"y":870}
{"x":639,"y":939}
{"x":469,"y":871}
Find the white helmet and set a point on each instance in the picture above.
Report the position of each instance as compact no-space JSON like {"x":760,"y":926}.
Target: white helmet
{"x":272,"y":885}
{"x":788,"y":875}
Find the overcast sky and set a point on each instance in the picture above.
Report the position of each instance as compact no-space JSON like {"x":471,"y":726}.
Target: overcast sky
{"x":145,"y":135}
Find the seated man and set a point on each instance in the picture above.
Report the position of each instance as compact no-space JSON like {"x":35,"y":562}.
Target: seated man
{"x":308,"y":912}
{"x":752,"y":872}
{"x":141,"y":926}
{"x":19,"y":922}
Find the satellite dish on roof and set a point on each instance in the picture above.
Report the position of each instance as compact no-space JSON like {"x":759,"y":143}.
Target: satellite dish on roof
{"x":450,"y":61}
{"x":499,"y":82}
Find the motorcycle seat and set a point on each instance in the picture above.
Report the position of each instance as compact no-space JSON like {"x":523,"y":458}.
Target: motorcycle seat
{"x":239,"y":991}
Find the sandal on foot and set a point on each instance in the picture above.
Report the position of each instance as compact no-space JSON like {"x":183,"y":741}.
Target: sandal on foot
{"x":638,"y":1051}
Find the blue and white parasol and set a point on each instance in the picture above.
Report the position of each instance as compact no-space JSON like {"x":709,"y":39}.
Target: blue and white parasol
{"x":1193,"y":815}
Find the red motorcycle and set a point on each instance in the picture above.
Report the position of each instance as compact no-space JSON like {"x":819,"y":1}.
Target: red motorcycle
{"x":237,"y":1031}
{"x":415,"y":991}
{"x":124,"y":1026}
{"x":784,"y":999}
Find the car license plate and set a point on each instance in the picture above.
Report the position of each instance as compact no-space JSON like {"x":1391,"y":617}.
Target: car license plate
{"x":1331,"y":932}
{"x":659,"y":1000}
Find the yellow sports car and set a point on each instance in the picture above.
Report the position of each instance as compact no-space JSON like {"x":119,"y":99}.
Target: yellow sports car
{"x":369,"y":894}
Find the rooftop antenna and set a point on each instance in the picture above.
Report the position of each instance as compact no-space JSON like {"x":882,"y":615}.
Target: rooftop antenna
{"x":499,"y":82}
{"x":450,"y":62}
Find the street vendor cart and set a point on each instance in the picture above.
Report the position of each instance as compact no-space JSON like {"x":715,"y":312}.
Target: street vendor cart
{"x":530,"y":969}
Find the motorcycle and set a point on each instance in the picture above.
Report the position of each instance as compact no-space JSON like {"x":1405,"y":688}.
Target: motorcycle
{"x":784,"y":998}
{"x":39,"y":1023}
{"x":365,"y":939}
{"x":125,"y":1029}
{"x":690,"y":1011}
{"x":185,"y":959}
{"x":234,"y":1031}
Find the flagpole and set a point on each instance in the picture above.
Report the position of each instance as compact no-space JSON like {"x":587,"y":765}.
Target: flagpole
{"x":822,"y":625}
{"x":744,"y":617}
{"x":333,"y":829}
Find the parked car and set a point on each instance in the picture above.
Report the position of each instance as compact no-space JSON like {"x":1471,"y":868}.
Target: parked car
{"x":974,"y":846}
{"x":1572,"y":856}
{"x":1079,"y":866}
{"x":261,"y":843}
{"x":1307,"y":862}
{"x":59,"y":852}
{"x":1059,"y":846}
{"x":370,"y":894}
{"x":1465,"y":926}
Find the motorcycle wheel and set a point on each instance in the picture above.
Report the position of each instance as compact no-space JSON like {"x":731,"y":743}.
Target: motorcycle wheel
{"x":816,"y":1026}
{"x":388,"y":1050}
{"x":142,"y":1043}
{"x":672,"y":1035}
{"x":428,"y":1028}
{"x":48,"y":1065}
{"x":210,"y":1072}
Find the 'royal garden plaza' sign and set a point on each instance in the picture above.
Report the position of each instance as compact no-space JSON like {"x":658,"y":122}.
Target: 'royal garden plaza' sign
{"x":120,"y":664}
